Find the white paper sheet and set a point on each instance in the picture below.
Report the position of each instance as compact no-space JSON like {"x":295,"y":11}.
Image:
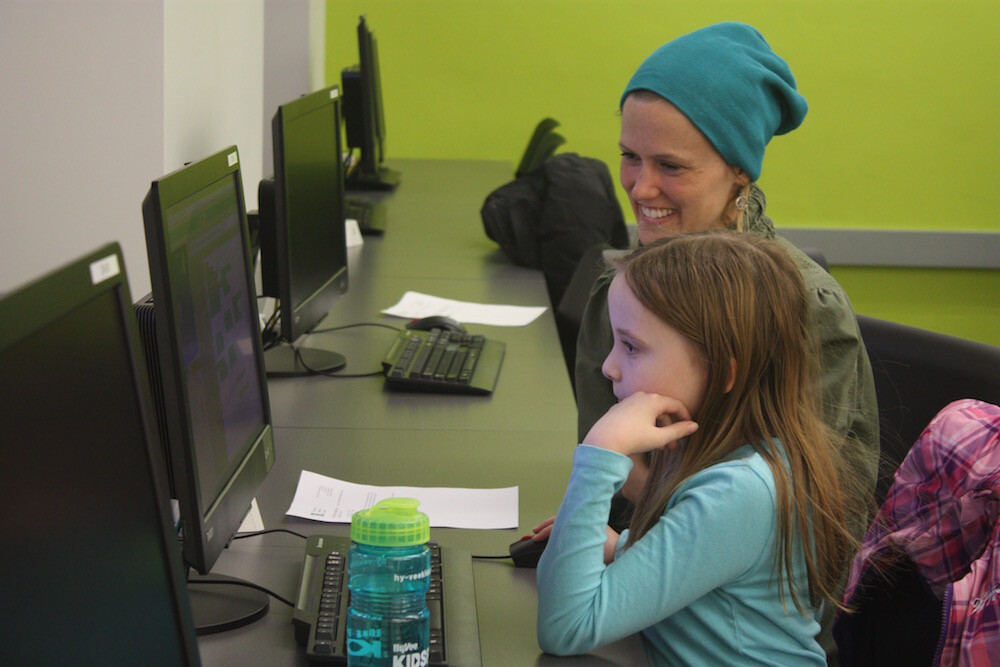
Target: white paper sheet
{"x":322,"y":498}
{"x":354,"y":237}
{"x":416,"y":305}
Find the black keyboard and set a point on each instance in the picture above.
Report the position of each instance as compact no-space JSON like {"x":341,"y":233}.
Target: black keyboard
{"x":443,"y":361}
{"x":320,"y":615}
{"x":370,"y":216}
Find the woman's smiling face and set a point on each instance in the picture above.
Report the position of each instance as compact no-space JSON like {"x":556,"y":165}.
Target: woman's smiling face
{"x":675,"y":179}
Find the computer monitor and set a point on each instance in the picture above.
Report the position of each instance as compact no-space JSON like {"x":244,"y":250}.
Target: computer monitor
{"x":302,"y":236}
{"x":90,"y":569}
{"x":364,"y":116}
{"x":205,"y":342}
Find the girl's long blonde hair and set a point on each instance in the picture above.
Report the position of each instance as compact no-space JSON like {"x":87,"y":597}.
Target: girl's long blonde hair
{"x":741,"y":298}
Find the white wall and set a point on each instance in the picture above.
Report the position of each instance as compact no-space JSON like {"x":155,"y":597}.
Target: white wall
{"x":214,"y":83}
{"x":81,"y":131}
{"x":102,"y":96}
{"x":286,"y":70}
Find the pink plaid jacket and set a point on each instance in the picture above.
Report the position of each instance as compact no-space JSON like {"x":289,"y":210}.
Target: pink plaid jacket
{"x":942,"y":511}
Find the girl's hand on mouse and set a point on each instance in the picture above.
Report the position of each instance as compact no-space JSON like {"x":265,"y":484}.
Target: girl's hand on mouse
{"x":541,"y":532}
{"x":641,"y":423}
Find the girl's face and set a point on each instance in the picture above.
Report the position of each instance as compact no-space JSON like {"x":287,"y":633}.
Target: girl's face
{"x":649,"y":355}
{"x":675,"y":179}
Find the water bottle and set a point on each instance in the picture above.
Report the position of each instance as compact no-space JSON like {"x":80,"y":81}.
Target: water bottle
{"x":388,"y":574}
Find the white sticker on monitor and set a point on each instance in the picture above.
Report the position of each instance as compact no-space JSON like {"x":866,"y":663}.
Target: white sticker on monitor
{"x":104,"y":269}
{"x":232,"y":158}
{"x":334,"y":94}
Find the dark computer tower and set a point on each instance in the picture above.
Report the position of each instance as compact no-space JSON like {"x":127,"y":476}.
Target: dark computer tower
{"x":350,"y":84}
{"x":146,"y":319}
{"x":267,"y":238}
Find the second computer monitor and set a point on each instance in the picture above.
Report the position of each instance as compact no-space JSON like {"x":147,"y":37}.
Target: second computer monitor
{"x":205,"y":345}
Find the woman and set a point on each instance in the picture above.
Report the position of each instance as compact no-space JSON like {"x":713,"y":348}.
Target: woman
{"x":696,"y":117}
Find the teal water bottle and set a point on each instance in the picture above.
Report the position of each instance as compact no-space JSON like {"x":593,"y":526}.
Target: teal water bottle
{"x":388,"y":574}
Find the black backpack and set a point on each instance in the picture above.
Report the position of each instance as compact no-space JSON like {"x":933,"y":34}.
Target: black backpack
{"x":549,"y":217}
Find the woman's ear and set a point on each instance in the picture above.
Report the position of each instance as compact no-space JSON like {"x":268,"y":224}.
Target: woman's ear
{"x":742,"y":178}
{"x":732,"y":376}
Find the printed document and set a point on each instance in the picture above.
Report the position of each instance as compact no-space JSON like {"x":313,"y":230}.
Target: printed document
{"x":415,"y":305}
{"x":332,"y":500}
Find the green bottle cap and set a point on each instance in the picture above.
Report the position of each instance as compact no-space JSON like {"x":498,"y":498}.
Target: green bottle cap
{"x":393,"y":522}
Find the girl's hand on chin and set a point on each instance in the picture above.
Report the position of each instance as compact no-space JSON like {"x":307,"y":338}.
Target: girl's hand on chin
{"x":641,"y":423}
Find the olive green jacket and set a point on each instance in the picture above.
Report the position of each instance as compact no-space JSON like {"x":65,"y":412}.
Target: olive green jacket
{"x":849,"y":403}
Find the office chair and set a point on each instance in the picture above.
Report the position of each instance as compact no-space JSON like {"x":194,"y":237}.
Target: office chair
{"x":569,"y":310}
{"x":918,"y":372}
{"x":541,"y":146}
{"x":816,"y":255}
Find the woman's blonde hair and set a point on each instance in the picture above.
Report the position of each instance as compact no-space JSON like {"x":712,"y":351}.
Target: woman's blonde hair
{"x":740,"y":298}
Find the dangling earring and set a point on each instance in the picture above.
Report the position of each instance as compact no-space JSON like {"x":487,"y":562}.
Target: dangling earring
{"x":742,"y":202}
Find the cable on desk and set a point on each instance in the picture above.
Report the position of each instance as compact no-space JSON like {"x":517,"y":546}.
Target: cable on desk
{"x":333,"y":374}
{"x":268,"y":334}
{"x":241,"y":536}
{"x":357,"y":324}
{"x":245,"y":584}
{"x":272,"y":339}
{"x":505,"y":556}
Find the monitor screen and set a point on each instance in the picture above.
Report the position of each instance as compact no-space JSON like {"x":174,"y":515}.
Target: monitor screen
{"x":214,"y":406}
{"x":89,"y":564}
{"x":365,"y":117}
{"x":303,"y":239}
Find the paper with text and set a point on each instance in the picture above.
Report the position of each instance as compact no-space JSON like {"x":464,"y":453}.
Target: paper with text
{"x":416,"y":305}
{"x":322,"y":498}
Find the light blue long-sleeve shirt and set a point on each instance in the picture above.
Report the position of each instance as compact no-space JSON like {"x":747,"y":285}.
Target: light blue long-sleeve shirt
{"x":700,"y":585}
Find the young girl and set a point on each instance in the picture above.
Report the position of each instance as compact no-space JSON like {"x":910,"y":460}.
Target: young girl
{"x":715,"y":374}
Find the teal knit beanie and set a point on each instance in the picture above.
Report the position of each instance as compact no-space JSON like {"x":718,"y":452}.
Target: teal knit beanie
{"x":731,"y":85}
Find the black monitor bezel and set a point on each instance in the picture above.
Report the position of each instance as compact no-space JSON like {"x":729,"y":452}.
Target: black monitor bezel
{"x":206,"y":530}
{"x":371,"y":135}
{"x":30,"y":308}
{"x":298,"y":319}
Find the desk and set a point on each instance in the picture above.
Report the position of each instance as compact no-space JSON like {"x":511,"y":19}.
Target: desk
{"x":351,"y":428}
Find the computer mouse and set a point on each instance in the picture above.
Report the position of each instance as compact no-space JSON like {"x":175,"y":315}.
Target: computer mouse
{"x":526,"y":551}
{"x":435,"y":322}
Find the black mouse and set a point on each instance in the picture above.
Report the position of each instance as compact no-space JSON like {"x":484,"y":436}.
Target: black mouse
{"x":436,"y":322}
{"x":526,"y":551}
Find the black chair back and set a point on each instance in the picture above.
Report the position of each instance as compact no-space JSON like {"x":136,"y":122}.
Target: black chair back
{"x":918,"y":372}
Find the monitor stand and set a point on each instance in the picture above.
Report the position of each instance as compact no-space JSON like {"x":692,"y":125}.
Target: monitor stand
{"x":285,"y":360}
{"x":383,"y":179}
{"x":220,"y":603}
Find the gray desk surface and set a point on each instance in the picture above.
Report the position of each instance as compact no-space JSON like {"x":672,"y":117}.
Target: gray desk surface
{"x":522,"y":435}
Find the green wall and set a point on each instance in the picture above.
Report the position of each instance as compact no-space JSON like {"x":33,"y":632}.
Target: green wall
{"x":902,"y":132}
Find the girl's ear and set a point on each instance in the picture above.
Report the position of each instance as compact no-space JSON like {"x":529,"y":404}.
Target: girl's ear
{"x":732,"y":376}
